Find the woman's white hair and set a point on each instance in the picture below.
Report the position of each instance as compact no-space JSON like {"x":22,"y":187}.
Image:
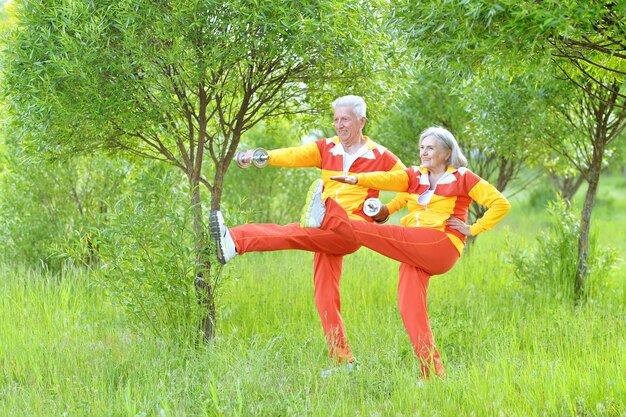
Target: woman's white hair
{"x":456,"y":159}
{"x":355,"y":102}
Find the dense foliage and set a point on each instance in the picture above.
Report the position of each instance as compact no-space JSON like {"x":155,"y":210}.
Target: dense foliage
{"x":103,"y":243}
{"x":530,"y":89}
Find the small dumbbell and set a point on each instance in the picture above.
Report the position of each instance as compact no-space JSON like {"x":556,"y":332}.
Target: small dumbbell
{"x":372,"y":206}
{"x":259,"y":158}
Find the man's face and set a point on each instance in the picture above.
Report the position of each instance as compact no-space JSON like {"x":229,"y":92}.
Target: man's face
{"x":348,"y":127}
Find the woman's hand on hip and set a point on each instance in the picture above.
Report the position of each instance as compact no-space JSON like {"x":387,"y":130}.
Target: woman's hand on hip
{"x":459,"y":225}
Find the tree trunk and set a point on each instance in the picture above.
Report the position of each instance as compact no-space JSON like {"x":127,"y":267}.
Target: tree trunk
{"x":202,"y":282}
{"x":583,"y":237}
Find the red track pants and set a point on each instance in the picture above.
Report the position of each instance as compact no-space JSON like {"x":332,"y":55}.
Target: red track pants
{"x":327,"y":265}
{"x":423,"y":252}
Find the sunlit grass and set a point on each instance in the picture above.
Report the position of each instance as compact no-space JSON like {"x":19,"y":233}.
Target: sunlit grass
{"x":510,"y":349}
{"x":69,"y":351}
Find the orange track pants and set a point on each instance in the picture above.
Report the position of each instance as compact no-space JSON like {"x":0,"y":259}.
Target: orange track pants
{"x":327,"y":266}
{"x":423,"y":252}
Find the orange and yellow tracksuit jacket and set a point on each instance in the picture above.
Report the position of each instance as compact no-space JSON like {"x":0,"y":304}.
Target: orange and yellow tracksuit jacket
{"x":451,"y":197}
{"x":328,"y":155}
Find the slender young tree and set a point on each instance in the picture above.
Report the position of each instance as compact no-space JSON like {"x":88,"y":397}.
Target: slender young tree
{"x":182,"y":80}
{"x":586,"y":44}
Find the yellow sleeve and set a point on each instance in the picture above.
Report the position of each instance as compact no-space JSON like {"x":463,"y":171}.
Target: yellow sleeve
{"x":498,"y":206}
{"x":398,"y":202}
{"x":391,"y":181}
{"x":401,"y":199}
{"x":296,"y":157}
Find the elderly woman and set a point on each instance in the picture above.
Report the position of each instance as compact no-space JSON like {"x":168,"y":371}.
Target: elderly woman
{"x":432,"y":235}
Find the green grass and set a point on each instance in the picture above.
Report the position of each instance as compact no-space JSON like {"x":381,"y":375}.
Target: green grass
{"x":510,"y":350}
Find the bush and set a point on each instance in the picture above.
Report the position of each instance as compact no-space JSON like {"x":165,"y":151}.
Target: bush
{"x":551,"y":265}
{"x":147,"y":256}
{"x":44,"y":203}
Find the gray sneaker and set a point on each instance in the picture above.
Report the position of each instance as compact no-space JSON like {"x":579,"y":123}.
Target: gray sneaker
{"x":314,"y":208}
{"x":225,"y":245}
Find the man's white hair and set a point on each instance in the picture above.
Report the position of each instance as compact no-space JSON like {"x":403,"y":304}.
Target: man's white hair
{"x":355,"y":102}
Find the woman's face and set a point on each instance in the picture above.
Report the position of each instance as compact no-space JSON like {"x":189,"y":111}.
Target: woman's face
{"x":434,"y":154}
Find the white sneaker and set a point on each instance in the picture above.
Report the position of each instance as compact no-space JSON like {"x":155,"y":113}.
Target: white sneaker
{"x":347,"y":367}
{"x":314,"y":208}
{"x":225,"y":245}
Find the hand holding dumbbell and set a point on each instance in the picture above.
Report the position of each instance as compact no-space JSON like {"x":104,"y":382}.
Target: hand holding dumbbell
{"x":257,"y":157}
{"x":376,"y":210}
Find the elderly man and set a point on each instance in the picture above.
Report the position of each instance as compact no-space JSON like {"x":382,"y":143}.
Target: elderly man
{"x":348,"y":152}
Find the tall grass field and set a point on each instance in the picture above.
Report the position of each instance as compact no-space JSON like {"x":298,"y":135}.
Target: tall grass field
{"x":511,"y":346}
